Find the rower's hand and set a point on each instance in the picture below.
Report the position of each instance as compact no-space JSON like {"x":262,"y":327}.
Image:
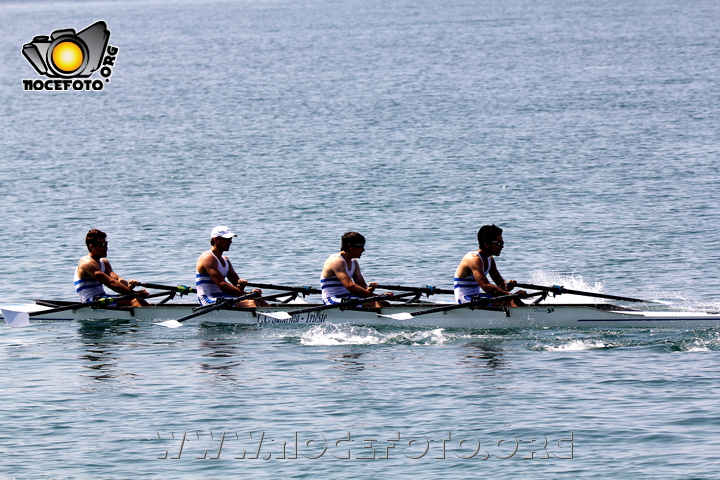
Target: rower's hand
{"x":371,"y":286}
{"x":511,"y":285}
{"x":241,"y":284}
{"x":258,"y":291}
{"x":521,"y":293}
{"x":140,"y":293}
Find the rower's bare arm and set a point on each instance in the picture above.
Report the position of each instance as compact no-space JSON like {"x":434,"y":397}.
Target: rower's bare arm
{"x":111,"y":273}
{"x":498,"y":279}
{"x":509,"y":285}
{"x":207,"y":263}
{"x":232,"y":276}
{"x":465,"y":268}
{"x":476,"y":266}
{"x":108,"y":278}
{"x":360,"y":280}
{"x":129,"y":284}
{"x":338,"y":267}
{"x":234,"y":279}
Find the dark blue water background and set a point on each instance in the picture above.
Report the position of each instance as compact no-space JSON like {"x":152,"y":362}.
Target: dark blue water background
{"x":588,"y":130}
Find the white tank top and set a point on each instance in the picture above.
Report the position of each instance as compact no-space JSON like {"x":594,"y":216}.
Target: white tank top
{"x":205,"y":285}
{"x":332,"y":287}
{"x":468,"y":286}
{"x":88,"y":287}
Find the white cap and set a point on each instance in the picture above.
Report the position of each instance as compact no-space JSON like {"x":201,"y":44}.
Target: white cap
{"x":222,"y":231}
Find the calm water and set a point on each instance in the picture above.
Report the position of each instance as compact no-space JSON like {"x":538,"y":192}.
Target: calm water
{"x":587,"y":130}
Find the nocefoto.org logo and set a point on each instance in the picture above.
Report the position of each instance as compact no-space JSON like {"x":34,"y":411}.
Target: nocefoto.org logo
{"x":68,"y":58}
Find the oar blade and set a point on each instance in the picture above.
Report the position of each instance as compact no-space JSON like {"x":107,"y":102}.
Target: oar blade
{"x":16,"y":319}
{"x":662,"y":302}
{"x":398,"y":316}
{"x":277,"y":315}
{"x":170,"y":324}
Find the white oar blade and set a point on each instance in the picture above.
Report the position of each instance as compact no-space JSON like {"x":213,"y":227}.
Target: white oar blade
{"x":278,"y":315}
{"x":16,"y":319}
{"x":170,"y":324}
{"x":398,"y":316}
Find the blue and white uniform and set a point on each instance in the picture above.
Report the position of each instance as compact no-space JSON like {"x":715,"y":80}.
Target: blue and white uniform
{"x":333,"y":290}
{"x":207,"y":291}
{"x":88,"y":289}
{"x":467,"y":288}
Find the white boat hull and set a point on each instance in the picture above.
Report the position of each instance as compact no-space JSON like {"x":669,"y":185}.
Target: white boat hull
{"x":534,"y":316}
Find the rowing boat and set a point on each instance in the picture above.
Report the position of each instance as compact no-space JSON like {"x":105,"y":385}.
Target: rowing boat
{"x":590,"y":315}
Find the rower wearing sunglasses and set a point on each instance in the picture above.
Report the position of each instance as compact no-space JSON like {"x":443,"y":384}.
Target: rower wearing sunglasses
{"x":477,"y":268}
{"x":341,"y":279}
{"x":94,"y":271}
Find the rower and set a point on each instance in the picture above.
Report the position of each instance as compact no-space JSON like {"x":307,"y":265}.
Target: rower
{"x":215,"y":277}
{"x":341,"y":278}
{"x":478,"y":267}
{"x":94,"y":271}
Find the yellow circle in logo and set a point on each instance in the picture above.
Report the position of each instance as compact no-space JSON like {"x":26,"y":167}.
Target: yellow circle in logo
{"x":67,"y":56}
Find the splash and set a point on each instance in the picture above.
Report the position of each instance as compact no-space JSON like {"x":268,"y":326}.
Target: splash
{"x":704,"y":342}
{"x":698,"y":346}
{"x":567,"y":280}
{"x":663,"y":300}
{"x":576,"y":345}
{"x":346,"y":334}
{"x":570,"y":281}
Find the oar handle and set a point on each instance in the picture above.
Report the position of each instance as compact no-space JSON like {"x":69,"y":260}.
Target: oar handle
{"x":181,"y":289}
{"x":108,"y":300}
{"x":305,"y":289}
{"x":559,"y":290}
{"x":427,"y":289}
{"x":275,"y":296}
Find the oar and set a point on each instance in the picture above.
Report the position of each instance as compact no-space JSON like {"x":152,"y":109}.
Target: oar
{"x":181,"y":289}
{"x":475,"y":303}
{"x":342,"y":305}
{"x":304,"y":290}
{"x":426,"y":290}
{"x":17,"y":319}
{"x":559,"y":290}
{"x":225,"y":302}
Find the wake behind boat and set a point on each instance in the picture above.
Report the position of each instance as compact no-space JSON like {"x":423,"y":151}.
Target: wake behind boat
{"x":415,"y":314}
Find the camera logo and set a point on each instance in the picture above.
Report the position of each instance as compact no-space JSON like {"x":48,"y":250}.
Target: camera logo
{"x":66,"y":55}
